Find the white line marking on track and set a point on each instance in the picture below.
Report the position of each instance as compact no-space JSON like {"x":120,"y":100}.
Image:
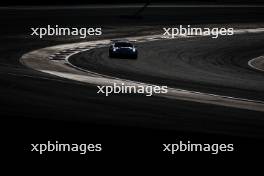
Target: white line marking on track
{"x":257,"y":63}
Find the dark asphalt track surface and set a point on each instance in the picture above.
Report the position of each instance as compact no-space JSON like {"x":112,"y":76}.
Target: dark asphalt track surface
{"x":217,"y":66}
{"x":37,"y":106}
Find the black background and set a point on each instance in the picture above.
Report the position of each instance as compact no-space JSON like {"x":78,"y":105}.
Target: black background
{"x":86,"y":2}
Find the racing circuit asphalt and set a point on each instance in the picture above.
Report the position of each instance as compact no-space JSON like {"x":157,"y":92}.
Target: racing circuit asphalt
{"x":33,"y":101}
{"x":217,"y":66}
